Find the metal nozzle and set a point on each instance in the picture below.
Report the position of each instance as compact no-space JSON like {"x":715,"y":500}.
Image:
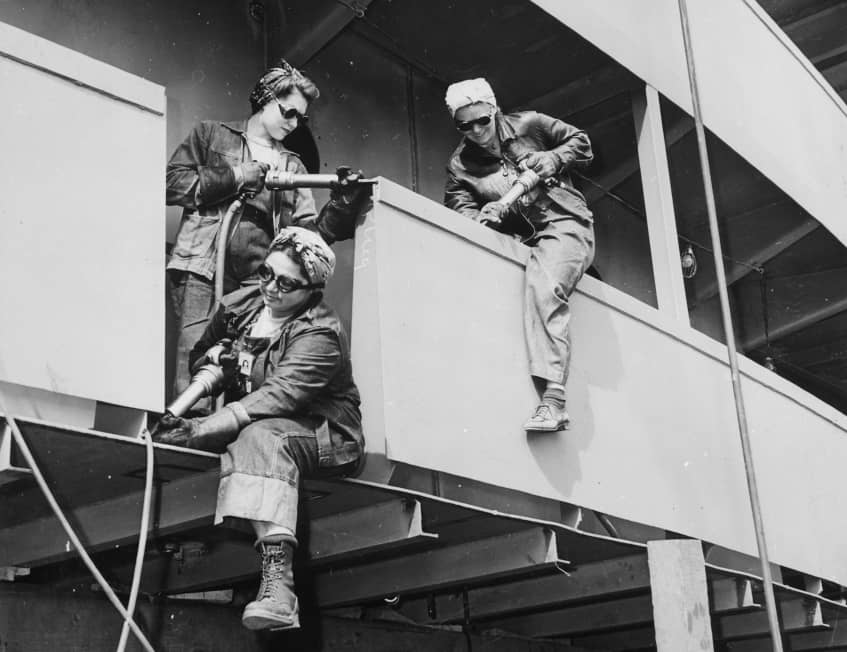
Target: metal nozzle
{"x":527,"y":180}
{"x":208,"y":380}
{"x":285,"y":180}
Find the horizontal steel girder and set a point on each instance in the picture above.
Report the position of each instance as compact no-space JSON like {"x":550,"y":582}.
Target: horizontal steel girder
{"x":531,"y":551}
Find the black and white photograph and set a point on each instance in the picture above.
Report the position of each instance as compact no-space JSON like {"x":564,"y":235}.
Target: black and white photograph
{"x":445,"y":326}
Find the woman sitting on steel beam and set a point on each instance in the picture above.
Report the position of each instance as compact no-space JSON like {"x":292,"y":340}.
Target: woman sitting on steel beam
{"x":293,"y":407}
{"x":552,"y":218}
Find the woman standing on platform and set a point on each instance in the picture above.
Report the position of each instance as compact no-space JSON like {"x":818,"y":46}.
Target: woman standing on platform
{"x":217,"y":162}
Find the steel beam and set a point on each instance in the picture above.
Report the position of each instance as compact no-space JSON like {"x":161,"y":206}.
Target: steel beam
{"x":820,"y":35}
{"x":599,"y":580}
{"x":9,"y":471}
{"x":658,"y":203}
{"x":732,"y":594}
{"x":796,"y":615}
{"x":630,"y":166}
{"x":765,"y":248}
{"x":378,"y":528}
{"x":181,"y":504}
{"x":833,"y":638}
{"x":598,"y":617}
{"x":751,"y":645}
{"x":642,"y":638}
{"x":815,"y":297}
{"x":384,"y":527}
{"x":531,"y":551}
{"x":583,"y":93}
{"x":322,"y":29}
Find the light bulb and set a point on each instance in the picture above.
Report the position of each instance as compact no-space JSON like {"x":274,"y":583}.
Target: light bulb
{"x":689,"y":262}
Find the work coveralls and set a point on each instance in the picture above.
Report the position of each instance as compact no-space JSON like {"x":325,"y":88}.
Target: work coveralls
{"x":554,"y":221}
{"x":302,"y":403}
{"x":200,"y":178}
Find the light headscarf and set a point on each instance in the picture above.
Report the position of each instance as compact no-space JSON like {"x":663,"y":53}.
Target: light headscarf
{"x":470,"y":91}
{"x":309,"y":249}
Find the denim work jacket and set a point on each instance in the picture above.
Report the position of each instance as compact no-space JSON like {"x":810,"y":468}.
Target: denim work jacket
{"x":200,"y":178}
{"x":476,"y":176}
{"x":303,"y":373}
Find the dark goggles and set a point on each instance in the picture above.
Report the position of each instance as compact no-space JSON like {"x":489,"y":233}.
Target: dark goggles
{"x":467,"y":125}
{"x":283,"y":283}
{"x":291,"y":113}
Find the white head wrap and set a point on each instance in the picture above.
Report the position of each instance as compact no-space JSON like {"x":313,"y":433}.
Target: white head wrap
{"x":468,"y":92}
{"x":315,"y":255}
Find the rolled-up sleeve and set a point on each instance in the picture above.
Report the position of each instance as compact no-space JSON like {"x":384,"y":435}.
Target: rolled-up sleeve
{"x":311,"y":360}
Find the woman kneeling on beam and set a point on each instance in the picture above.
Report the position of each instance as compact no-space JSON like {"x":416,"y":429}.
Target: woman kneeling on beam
{"x":293,"y":408}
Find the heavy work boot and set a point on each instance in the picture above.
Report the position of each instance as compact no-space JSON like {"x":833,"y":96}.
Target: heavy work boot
{"x":275,"y":606}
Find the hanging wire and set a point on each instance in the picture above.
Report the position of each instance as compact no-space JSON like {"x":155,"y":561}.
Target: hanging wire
{"x":637,"y":211}
{"x":729,"y":333}
{"x":466,"y":621}
{"x":763,"y":293}
{"x":72,"y":536}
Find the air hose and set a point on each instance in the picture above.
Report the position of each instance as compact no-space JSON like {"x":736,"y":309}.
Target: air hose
{"x":74,"y":539}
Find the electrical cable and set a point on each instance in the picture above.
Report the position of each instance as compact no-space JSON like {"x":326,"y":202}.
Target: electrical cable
{"x":723,"y":293}
{"x":74,"y":539}
{"x":142,"y":542}
{"x":637,"y":211}
{"x":220,"y":258}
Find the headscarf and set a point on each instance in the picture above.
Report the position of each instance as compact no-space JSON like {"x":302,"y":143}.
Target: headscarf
{"x":309,"y":249}
{"x":278,"y":81}
{"x":470,"y":91}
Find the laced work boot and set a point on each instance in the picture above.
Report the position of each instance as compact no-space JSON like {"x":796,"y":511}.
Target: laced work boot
{"x":275,"y":606}
{"x":548,"y":418}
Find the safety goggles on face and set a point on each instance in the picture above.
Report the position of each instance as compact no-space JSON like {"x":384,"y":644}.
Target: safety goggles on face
{"x":467,"y":125}
{"x":291,"y":113}
{"x":284,"y":284}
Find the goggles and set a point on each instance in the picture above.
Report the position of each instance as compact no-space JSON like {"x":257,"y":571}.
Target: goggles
{"x":284,"y":284}
{"x":467,"y":125}
{"x":291,"y":113}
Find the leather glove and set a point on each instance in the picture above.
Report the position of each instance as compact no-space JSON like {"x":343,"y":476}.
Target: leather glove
{"x":493,"y":212}
{"x":220,"y":354}
{"x":346,"y":191}
{"x":544,"y":164}
{"x":211,"y":433}
{"x":250,"y":176}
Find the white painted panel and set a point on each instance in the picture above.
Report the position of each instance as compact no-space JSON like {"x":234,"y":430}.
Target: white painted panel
{"x":654,"y":438}
{"x":48,"y":406}
{"x":758,"y":93}
{"x":82,"y":241}
{"x":44,"y":54}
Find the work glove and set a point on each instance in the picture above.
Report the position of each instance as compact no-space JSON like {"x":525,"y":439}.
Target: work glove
{"x":220,"y":354}
{"x":250,"y":176}
{"x":346,"y":191}
{"x":212,"y":433}
{"x":492,"y":213}
{"x":544,"y":164}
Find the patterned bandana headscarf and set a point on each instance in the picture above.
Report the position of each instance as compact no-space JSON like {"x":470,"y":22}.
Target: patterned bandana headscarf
{"x":470,"y":91}
{"x":309,"y":249}
{"x":281,"y":75}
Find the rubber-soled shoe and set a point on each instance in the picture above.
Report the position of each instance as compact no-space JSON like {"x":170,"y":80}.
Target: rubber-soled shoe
{"x":275,"y":606}
{"x":547,"y":418}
